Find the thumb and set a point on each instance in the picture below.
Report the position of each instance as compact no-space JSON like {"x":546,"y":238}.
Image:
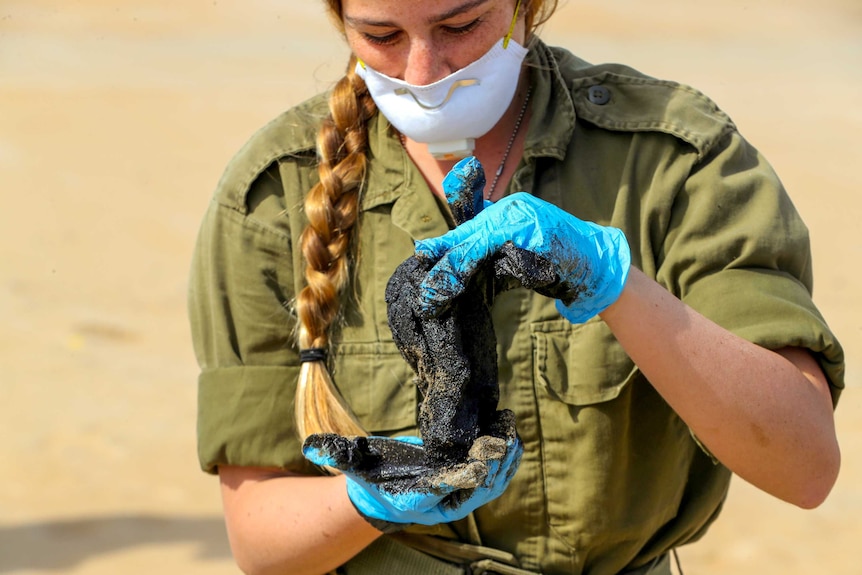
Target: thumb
{"x":464,"y":187}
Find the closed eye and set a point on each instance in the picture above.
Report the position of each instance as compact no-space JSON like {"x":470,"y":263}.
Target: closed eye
{"x":465,"y":29}
{"x":382,"y":40}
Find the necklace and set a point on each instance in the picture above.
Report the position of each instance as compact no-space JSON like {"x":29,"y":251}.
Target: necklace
{"x":502,"y":165}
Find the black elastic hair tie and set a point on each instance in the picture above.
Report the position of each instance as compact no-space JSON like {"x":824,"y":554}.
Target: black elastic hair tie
{"x":312,"y":354}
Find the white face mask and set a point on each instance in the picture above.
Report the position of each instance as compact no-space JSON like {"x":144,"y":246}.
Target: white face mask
{"x":451,"y":113}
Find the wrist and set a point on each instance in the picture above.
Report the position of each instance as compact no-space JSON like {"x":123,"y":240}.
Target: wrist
{"x":617,"y":308}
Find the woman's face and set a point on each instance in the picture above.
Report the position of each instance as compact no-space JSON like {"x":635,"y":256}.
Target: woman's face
{"x":421,"y":42}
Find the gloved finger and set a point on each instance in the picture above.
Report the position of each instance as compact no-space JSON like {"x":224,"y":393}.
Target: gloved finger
{"x":357,"y":453}
{"x":331,"y":450}
{"x":501,"y":471}
{"x":518,"y":217}
{"x":464,"y":187}
{"x":451,"y":274}
{"x":493,"y":217}
{"x":388,"y":462}
{"x":449,"y":278}
{"x":411,"y":439}
{"x":432,"y":249}
{"x":512,"y":459}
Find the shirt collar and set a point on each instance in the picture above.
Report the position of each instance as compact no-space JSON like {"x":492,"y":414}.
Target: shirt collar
{"x":552,"y":123}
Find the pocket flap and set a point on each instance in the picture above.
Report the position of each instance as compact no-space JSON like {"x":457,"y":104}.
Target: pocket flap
{"x":580,"y":364}
{"x":377,"y":384}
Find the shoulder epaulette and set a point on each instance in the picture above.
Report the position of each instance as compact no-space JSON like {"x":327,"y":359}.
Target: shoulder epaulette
{"x":616,"y":97}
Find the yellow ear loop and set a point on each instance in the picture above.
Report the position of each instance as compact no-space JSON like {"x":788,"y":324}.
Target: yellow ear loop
{"x":512,"y":25}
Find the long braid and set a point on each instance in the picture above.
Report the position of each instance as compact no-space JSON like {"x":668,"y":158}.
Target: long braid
{"x":332,"y":208}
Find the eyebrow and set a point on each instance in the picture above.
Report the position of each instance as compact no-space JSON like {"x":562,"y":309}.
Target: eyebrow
{"x":466,"y":7}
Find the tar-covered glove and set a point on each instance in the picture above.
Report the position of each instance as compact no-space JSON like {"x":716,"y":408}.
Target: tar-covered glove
{"x":591,"y":262}
{"x":406,"y":491}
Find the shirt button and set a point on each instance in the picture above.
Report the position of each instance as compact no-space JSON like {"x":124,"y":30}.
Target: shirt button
{"x":599,"y":95}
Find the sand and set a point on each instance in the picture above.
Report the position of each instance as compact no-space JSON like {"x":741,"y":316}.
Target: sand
{"x":116,"y":120}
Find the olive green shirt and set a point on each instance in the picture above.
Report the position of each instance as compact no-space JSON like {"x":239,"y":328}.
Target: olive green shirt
{"x":610,"y":477}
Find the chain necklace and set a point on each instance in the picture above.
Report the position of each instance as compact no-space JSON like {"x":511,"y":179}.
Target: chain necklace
{"x":502,"y":165}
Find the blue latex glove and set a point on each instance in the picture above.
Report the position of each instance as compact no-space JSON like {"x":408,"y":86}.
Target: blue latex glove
{"x":464,"y":187}
{"x":412,"y":494}
{"x":591,"y":262}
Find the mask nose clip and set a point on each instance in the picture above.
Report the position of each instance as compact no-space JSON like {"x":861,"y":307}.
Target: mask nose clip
{"x":455,"y":85}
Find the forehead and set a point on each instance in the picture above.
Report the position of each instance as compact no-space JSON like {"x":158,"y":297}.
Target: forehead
{"x":380,"y":11}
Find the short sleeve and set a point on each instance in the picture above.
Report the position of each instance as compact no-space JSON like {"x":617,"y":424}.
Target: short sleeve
{"x":241,"y":284}
{"x":737,"y":251}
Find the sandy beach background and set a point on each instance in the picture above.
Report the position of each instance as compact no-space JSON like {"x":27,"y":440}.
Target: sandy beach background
{"x":116,"y":119}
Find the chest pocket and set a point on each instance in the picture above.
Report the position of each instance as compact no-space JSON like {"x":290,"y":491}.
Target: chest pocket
{"x":579,"y":364}
{"x":378,"y":385}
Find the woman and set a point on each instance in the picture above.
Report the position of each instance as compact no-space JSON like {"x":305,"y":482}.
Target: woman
{"x":696,"y":353}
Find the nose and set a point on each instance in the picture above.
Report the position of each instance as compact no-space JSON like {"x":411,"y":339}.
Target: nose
{"x":425,"y":64}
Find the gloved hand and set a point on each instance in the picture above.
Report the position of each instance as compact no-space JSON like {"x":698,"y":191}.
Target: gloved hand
{"x":591,"y":261}
{"x":408,"y":492}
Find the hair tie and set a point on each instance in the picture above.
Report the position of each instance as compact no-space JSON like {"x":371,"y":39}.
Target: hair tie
{"x":312,"y":354}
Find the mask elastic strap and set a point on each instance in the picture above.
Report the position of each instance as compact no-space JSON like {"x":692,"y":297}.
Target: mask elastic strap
{"x":512,"y":26}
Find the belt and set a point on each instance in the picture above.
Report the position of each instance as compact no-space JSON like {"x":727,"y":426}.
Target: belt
{"x":658,"y":566}
{"x":473,"y":559}
{"x":406,"y":553}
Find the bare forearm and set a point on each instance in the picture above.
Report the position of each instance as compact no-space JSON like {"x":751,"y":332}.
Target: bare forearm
{"x":765,"y":416}
{"x":296,"y":525}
